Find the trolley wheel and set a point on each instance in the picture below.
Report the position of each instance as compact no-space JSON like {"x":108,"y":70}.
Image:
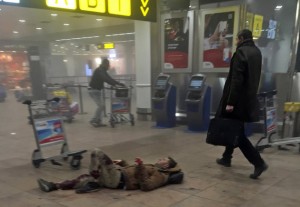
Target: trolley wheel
{"x":63,"y":150}
{"x":37,"y":158}
{"x":260,"y":148}
{"x":131,"y":119}
{"x":36,"y":163}
{"x":76,"y":162}
{"x":69,"y":120}
{"x":113,"y":121}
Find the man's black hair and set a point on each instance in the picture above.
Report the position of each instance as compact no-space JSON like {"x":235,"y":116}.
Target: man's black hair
{"x":245,"y":33}
{"x":105,"y":62}
{"x":172,"y":162}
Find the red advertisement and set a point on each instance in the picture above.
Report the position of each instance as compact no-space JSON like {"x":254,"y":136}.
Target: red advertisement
{"x":218,"y":39}
{"x":176,"y":43}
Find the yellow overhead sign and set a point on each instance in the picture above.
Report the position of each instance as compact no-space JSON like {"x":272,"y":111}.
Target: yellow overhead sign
{"x":257,"y":25}
{"x":144,"y":10}
{"x":118,"y":7}
{"x":106,"y":45}
{"x":97,"y":6}
{"x":63,"y":4}
{"x":109,"y":45}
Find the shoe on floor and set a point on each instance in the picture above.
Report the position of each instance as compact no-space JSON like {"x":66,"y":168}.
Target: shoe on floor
{"x":88,"y":188}
{"x":223,"y":162}
{"x":258,"y":171}
{"x":97,"y":124}
{"x":46,"y":186}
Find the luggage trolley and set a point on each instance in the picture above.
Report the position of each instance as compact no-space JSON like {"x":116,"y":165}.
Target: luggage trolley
{"x":65,"y":107}
{"x":120,"y":106}
{"x":49,"y":130}
{"x":268,"y":101}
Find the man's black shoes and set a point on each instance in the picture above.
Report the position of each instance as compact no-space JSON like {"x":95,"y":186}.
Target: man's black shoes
{"x":97,"y":124}
{"x":225,"y":163}
{"x":258,"y":171}
{"x":46,"y":186}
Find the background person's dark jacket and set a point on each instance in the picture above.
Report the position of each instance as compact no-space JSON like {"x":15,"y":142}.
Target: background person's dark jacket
{"x":242,"y":84}
{"x":100,"y":76}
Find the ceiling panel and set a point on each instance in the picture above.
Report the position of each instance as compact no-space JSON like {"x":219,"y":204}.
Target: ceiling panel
{"x":52,"y":27}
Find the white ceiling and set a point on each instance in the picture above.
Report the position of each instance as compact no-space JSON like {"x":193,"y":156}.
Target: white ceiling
{"x":80,"y":25}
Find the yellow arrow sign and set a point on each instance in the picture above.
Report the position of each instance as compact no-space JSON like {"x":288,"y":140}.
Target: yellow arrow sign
{"x":145,"y":11}
{"x":144,"y":2}
{"x":144,"y":8}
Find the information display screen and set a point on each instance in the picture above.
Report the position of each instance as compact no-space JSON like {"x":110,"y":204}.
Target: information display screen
{"x":196,"y":83}
{"x":161,"y":83}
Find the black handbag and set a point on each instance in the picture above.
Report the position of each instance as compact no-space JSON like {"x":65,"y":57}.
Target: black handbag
{"x":224,"y":132}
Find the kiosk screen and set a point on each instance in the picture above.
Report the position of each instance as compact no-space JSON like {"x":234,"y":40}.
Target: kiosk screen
{"x":196,"y":83}
{"x":161,"y":83}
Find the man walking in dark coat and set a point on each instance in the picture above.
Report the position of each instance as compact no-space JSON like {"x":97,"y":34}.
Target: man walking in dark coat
{"x":239,"y":99}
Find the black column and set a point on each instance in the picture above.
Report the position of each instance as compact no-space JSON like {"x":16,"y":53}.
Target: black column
{"x":36,"y":73}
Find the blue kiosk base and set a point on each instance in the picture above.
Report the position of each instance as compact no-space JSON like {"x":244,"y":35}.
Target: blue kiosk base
{"x":165,"y":110}
{"x":200,"y":124}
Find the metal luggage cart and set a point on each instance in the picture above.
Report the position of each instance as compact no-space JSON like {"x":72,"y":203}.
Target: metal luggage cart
{"x":48,"y":131}
{"x":120,"y":102}
{"x":268,"y":101}
{"x":64,"y":108}
{"x":40,"y":109}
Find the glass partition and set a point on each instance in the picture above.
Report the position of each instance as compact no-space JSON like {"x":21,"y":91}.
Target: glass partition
{"x":272,"y":23}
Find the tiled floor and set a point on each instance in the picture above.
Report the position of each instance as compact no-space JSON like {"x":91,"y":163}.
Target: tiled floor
{"x":206,"y":184}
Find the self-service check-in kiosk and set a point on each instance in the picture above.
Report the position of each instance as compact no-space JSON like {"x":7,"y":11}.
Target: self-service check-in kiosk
{"x":164,"y":102}
{"x":198,"y":101}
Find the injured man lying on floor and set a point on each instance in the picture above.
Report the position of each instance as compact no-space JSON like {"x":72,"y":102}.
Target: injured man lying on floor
{"x":117,"y":174}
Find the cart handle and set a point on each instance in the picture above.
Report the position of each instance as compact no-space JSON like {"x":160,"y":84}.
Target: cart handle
{"x":29,"y":102}
{"x":267,"y":93}
{"x":118,"y":87}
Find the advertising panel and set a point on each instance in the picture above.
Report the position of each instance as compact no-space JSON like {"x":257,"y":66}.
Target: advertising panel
{"x":49,"y":131}
{"x":217,"y":38}
{"x":258,"y":25}
{"x":177,"y":39}
{"x":271,"y":120}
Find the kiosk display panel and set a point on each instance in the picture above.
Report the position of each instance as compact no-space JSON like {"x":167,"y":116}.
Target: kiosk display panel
{"x":196,"y":83}
{"x":161,"y":83}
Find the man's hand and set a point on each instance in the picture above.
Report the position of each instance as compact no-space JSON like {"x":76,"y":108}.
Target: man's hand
{"x":138,"y":161}
{"x":229,"y":108}
{"x":95,"y":174}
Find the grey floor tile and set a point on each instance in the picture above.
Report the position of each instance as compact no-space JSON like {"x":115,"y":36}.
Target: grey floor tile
{"x":205,"y":183}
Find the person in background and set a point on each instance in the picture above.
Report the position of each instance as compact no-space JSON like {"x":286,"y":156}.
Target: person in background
{"x":239,"y":100}
{"x":117,"y":174}
{"x":96,"y":86}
